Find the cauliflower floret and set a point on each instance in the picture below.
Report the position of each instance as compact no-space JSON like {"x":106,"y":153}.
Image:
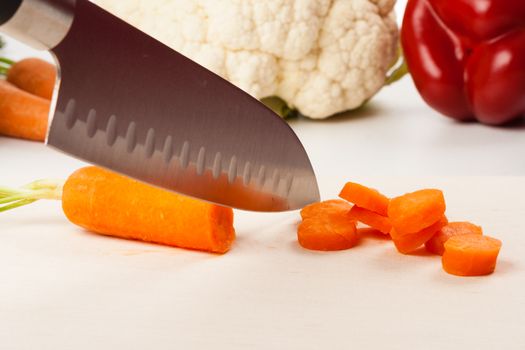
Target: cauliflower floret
{"x":320,"y":56}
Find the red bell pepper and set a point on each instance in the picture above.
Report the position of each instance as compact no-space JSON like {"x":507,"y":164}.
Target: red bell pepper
{"x":467,"y":57}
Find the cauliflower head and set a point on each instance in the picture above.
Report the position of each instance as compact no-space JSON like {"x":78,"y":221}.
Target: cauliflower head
{"x":320,"y":56}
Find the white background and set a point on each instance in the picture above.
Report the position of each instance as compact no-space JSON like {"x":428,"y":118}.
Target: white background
{"x":64,"y":288}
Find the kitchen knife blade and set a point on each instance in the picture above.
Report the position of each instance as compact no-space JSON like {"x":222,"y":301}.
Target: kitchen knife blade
{"x":133,"y":105}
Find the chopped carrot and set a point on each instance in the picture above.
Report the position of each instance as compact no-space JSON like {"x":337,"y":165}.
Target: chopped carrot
{"x":370,"y":218}
{"x":33,"y":75}
{"x":436,"y":243}
{"x":470,"y":255}
{"x":114,"y":205}
{"x":408,"y":242}
{"x":332,"y":206}
{"x":327,"y":226}
{"x":365,"y":197}
{"x":322,"y":233}
{"x":415,"y":211}
{"x":22,"y":115}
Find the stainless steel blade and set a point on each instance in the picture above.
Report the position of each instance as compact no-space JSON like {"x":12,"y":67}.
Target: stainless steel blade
{"x":133,"y":105}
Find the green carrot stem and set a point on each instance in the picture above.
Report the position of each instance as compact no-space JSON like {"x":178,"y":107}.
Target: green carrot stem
{"x":43,"y":189}
{"x":17,"y":204}
{"x":7,"y":61}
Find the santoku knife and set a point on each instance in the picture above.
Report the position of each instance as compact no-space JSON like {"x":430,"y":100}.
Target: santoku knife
{"x":129,"y":103}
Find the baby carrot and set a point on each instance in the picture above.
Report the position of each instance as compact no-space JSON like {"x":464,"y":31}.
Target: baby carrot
{"x":436,"y":243}
{"x":408,"y":242}
{"x":368,"y":217}
{"x":415,"y":211}
{"x":33,"y":75}
{"x":332,"y":206}
{"x":111,"y":204}
{"x":22,"y":115}
{"x":365,"y":197}
{"x":470,"y":255}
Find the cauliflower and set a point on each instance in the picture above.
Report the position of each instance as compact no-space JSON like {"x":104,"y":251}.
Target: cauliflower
{"x":320,"y":56}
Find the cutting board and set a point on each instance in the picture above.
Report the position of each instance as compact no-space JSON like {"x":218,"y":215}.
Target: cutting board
{"x":64,"y":288}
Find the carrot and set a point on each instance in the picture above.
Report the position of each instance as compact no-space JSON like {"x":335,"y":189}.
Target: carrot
{"x":365,"y":197}
{"x":22,"y":115}
{"x":408,"y":242}
{"x":470,"y":255}
{"x":332,"y":206}
{"x":324,"y":233}
{"x":436,"y":243}
{"x":368,"y":217}
{"x":111,"y":204}
{"x":415,"y":211}
{"x":326,"y":226}
{"x":33,"y":75}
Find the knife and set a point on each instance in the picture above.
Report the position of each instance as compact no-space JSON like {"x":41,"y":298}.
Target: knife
{"x":127,"y":102}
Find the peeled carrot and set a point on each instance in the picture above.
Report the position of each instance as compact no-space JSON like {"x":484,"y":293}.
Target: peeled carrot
{"x":22,"y":115}
{"x":33,"y":75}
{"x":408,"y":242}
{"x":329,"y":207}
{"x":415,"y":211}
{"x":436,"y":244}
{"x":370,"y":218}
{"x":365,"y":197}
{"x":114,"y":205}
{"x":326,"y":226}
{"x":470,"y":255}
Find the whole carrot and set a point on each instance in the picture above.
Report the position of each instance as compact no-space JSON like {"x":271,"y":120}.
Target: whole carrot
{"x":111,"y":204}
{"x":22,"y":114}
{"x":33,"y":75}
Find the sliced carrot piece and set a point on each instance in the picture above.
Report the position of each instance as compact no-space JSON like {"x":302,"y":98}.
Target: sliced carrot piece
{"x":329,"y":207}
{"x":327,"y":232}
{"x":470,"y":255}
{"x":436,"y":243}
{"x":408,"y":242}
{"x":415,"y":211}
{"x":365,"y":197}
{"x":368,"y":217}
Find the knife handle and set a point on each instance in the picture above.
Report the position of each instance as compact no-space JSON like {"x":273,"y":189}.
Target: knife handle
{"x":42,"y":24}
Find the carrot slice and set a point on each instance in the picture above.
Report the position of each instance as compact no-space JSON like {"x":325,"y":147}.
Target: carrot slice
{"x":436,"y":243}
{"x":415,"y":211}
{"x":368,"y":217}
{"x":365,"y":197}
{"x":329,"y":207}
{"x":408,"y":242}
{"x":327,"y":232}
{"x":470,"y":255}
